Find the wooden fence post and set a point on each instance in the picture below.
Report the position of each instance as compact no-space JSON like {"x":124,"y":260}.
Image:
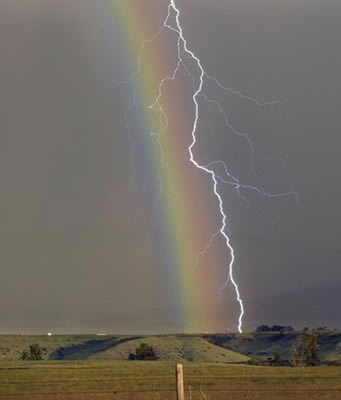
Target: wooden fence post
{"x":179,"y":372}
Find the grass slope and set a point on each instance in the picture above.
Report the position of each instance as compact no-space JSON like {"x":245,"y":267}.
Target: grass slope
{"x":174,"y":348}
{"x":84,"y":347}
{"x":11,"y":346}
{"x":264,"y":345}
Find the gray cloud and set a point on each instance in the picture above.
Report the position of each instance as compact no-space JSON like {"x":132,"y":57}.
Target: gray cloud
{"x":75,"y":253}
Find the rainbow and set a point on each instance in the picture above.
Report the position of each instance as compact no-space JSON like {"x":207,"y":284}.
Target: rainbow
{"x":187,"y":213}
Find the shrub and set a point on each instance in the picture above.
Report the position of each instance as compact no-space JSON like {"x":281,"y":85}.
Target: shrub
{"x":144,"y":352}
{"x":33,"y":353}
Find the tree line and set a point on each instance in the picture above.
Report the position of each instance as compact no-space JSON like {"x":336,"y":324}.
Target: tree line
{"x":274,"y":328}
{"x":287,"y":328}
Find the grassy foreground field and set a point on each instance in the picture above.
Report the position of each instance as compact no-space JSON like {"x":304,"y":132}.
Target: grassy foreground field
{"x":124,"y":380}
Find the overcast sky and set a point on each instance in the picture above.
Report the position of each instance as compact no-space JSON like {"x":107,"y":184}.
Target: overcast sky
{"x":73,"y":251}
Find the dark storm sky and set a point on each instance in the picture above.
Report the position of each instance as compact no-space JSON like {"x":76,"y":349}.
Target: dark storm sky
{"x":71,"y":245}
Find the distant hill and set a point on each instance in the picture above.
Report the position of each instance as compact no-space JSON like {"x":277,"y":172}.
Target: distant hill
{"x":228,"y":348}
{"x":168,"y":348}
{"x":109,"y":347}
{"x":266,"y":344}
{"x":175,"y":348}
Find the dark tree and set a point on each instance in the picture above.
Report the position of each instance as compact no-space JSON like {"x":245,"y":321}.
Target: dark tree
{"x":311,"y":350}
{"x":34,"y":353}
{"x":275,"y":328}
{"x":306,"y":352}
{"x":263,"y":328}
{"x":144,"y":352}
{"x":321,"y":328}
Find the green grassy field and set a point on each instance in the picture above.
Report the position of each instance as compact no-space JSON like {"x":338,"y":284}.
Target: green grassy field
{"x":124,"y":380}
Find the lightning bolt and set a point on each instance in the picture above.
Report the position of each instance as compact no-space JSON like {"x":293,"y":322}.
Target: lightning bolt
{"x":184,"y":54}
{"x":178,"y":29}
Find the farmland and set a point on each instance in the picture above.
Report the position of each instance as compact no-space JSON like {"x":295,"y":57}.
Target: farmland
{"x":91,"y":367}
{"x":124,"y":380}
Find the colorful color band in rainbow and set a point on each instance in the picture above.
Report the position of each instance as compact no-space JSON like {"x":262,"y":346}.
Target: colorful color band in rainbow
{"x":184,"y":216}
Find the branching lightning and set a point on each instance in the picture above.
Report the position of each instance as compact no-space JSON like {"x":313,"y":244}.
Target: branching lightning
{"x":184,"y":53}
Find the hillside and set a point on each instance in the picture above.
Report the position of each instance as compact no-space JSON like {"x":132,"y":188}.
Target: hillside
{"x":175,"y":348}
{"x":11,"y":346}
{"x":168,"y":348}
{"x":230,"y":348}
{"x":266,"y":344}
{"x":84,"y":347}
